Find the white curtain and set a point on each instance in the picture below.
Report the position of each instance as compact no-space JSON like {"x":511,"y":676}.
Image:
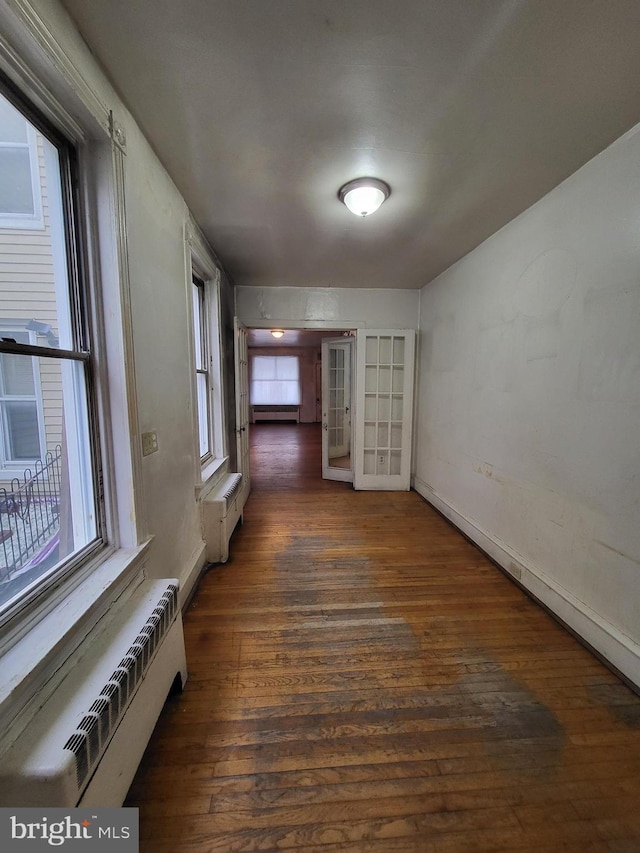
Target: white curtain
{"x":275,"y":380}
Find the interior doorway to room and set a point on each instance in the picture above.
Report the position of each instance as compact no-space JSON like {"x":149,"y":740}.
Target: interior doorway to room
{"x":325,"y":388}
{"x":367,"y":395}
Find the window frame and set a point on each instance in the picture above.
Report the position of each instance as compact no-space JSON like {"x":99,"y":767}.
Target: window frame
{"x":274,"y":358}
{"x":44,"y":593}
{"x":199,"y":262}
{"x":202,"y":358}
{"x":38,"y":641}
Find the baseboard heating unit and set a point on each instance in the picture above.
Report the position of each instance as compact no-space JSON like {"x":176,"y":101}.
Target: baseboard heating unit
{"x":275,"y":413}
{"x":84,"y":744}
{"x":221,"y":511}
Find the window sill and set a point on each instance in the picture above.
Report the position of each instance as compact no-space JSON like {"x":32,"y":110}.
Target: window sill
{"x":15,"y":469}
{"x":210,"y":476}
{"x":29,"y":665}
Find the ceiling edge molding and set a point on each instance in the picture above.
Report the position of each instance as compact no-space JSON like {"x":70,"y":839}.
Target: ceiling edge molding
{"x":29,"y":22}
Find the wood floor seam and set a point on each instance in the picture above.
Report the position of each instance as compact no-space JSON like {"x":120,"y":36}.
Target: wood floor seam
{"x":364,"y":680}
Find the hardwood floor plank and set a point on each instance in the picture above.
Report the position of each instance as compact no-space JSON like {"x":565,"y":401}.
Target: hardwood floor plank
{"x":363,"y":679}
{"x":224,"y":832}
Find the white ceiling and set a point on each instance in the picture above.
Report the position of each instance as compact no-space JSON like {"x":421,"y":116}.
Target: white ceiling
{"x":470,"y":109}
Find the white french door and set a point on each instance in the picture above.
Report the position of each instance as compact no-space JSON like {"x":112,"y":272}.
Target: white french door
{"x":241,"y":359}
{"x":384,"y":408}
{"x":337,"y":457}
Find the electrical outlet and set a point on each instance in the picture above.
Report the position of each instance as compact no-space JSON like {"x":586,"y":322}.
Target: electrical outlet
{"x":381,"y":460}
{"x":149,"y":443}
{"x":515,"y":570}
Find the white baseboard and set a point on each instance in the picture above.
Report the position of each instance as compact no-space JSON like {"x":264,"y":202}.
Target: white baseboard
{"x":619,"y":650}
{"x":189,"y":582}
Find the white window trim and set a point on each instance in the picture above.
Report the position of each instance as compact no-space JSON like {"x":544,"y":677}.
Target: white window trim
{"x":33,"y":647}
{"x":199,"y":261}
{"x":275,"y":358}
{"x":202,"y":344}
{"x":50,"y":635}
{"x":75,"y":367}
{"x":27,"y":221}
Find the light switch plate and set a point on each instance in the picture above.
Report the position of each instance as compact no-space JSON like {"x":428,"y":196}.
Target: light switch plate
{"x":149,"y":443}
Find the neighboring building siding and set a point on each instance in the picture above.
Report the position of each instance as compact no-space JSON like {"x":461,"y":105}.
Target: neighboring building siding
{"x":27,"y":291}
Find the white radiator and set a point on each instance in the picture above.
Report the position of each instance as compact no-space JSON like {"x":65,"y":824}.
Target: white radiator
{"x":84,"y":744}
{"x":221,"y":511}
{"x":275,"y":413}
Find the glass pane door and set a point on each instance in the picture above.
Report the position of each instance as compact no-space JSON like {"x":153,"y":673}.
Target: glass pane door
{"x":385,"y":409}
{"x":337,"y":461}
{"x":242,"y":401}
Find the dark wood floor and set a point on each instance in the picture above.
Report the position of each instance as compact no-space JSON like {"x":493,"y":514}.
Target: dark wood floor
{"x":363,"y":679}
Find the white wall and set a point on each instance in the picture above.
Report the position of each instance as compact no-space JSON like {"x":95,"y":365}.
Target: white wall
{"x":156,"y":216}
{"x":327,"y":308}
{"x":528,"y":428}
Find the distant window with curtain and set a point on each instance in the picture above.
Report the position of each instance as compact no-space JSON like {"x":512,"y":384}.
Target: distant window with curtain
{"x":275,"y":380}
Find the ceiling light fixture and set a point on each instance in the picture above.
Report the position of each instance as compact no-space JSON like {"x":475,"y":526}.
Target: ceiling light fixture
{"x":363,"y":196}
{"x":277,"y":333}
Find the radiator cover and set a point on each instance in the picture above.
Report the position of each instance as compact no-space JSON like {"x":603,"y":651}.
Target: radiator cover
{"x":84,"y":744}
{"x":275,"y":413}
{"x":221,"y":510}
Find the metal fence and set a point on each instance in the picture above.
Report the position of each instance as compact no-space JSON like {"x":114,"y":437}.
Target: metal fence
{"x":30,"y":515}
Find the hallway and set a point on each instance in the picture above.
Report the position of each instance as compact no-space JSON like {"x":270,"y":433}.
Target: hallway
{"x":361,"y":678}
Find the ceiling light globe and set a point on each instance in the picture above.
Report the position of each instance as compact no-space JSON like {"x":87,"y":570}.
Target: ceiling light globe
{"x":364,"y":195}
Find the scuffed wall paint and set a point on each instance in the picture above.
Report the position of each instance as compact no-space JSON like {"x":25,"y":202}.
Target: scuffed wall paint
{"x":529,"y":390}
{"x":318,"y":307}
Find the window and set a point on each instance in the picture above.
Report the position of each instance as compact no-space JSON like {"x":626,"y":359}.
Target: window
{"x":275,"y":380}
{"x":20,"y":405}
{"x":203,"y":279}
{"x":201,"y":347}
{"x":20,"y":191}
{"x":50,"y":516}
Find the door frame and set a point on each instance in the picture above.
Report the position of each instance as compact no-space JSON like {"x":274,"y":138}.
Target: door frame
{"x":241,"y":370}
{"x":330,"y":472}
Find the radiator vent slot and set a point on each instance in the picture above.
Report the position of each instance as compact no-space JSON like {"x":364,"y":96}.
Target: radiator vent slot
{"x":96,"y":727}
{"x":232,"y":488}
{"x":102,"y":709}
{"x":77,"y":744}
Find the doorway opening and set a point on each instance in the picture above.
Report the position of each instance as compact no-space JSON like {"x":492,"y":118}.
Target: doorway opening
{"x":367,"y":394}
{"x":325,"y":381}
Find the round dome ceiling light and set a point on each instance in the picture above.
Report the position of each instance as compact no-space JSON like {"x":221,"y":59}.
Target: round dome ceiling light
{"x":363,"y":196}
